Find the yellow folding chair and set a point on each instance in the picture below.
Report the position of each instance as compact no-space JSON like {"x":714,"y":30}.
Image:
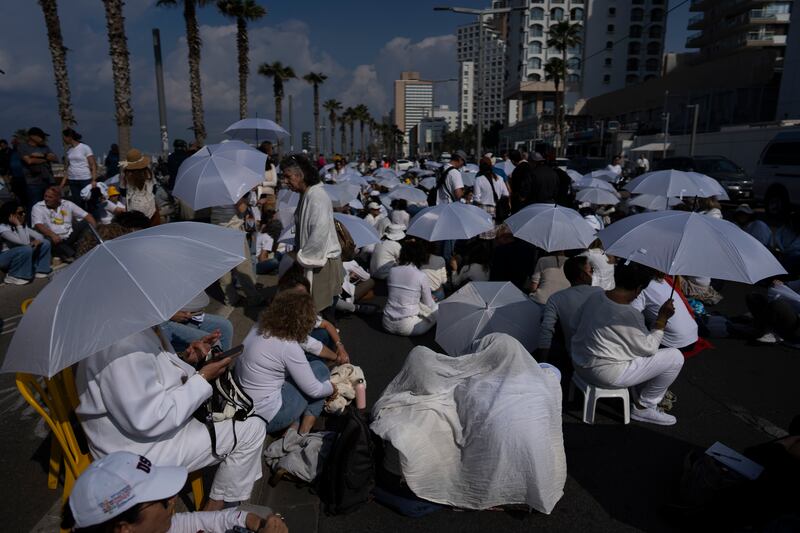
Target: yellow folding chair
{"x":55,"y":400}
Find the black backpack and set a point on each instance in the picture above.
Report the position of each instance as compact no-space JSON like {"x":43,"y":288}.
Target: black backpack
{"x":441,"y":178}
{"x":348,"y":476}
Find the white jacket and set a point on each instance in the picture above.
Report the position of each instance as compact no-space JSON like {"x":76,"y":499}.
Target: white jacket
{"x":136,"y":394}
{"x":315,"y":234}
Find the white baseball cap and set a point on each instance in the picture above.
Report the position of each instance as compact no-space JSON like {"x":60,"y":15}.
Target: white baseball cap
{"x":117,"y":482}
{"x":373,"y":205}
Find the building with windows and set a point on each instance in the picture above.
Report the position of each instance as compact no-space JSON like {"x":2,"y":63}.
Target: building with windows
{"x":450,"y":116}
{"x":728,"y":27}
{"x":789,"y":100}
{"x":623,"y":44}
{"x":473,"y":83}
{"x":413,"y":100}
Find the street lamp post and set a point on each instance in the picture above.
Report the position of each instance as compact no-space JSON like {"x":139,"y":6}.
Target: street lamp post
{"x":480,"y":13}
{"x":696,"y":108}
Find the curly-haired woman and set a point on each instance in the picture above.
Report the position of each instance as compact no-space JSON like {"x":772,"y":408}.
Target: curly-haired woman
{"x":274,"y":370}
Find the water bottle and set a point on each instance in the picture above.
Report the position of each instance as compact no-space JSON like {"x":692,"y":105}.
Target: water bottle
{"x":361,"y":394}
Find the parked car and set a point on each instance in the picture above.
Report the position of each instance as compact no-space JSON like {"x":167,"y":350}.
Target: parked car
{"x":444,"y":158}
{"x":733,"y":179}
{"x":404,"y":164}
{"x":776,"y":181}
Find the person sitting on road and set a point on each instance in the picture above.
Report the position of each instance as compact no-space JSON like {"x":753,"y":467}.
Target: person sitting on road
{"x":612,"y":348}
{"x":435,"y":269}
{"x":124,"y":493}
{"x":681,"y":330}
{"x":24,"y":252}
{"x":410,"y":309}
{"x":563,"y":305}
{"x":274,"y":371}
{"x":138,"y":395}
{"x":776,"y":316}
{"x":53,"y":218}
{"x":192,"y":324}
{"x":745,"y":218}
{"x":400,"y":213}
{"x":112,"y":205}
{"x":602,"y":265}
{"x":474,"y":266}
{"x":548,"y":277}
{"x":387,"y":252}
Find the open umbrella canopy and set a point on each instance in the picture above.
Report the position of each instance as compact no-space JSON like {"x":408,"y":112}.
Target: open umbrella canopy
{"x":355,"y":179}
{"x":256,"y":129}
{"x":445,"y":222}
{"x":362,"y":232}
{"x":594,"y":183}
{"x":288,"y":198}
{"x":597,"y":196}
{"x":433,"y":164}
{"x":574,"y":175}
{"x":219,"y":174}
{"x":471,"y":167}
{"x":388,"y":182}
{"x":653,"y":202}
{"x":324,"y":170}
{"x":154,"y":273}
{"x":428,"y":183}
{"x":552,"y":228}
{"x":468,"y":178}
{"x":605,"y":175}
{"x":386,"y":173}
{"x":690,"y":244}
{"x":484,"y":307}
{"x":420,"y":171}
{"x":677,"y":184}
{"x":342,"y":194}
{"x":410,"y":194}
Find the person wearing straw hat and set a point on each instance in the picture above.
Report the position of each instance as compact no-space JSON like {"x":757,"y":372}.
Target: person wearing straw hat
{"x":387,"y":252}
{"x":126,"y":493}
{"x":137,"y":179}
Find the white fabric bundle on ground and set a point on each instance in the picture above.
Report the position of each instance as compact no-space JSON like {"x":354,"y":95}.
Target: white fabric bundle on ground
{"x":344,"y":378}
{"x":301,"y":455}
{"x":479,"y":430}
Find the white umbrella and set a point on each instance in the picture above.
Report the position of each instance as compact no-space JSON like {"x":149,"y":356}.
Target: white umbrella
{"x":574,"y":175}
{"x":343,"y":194}
{"x":468,"y":178}
{"x":257,"y":129}
{"x":552,"y":228}
{"x":445,"y":222}
{"x":113,"y":180}
{"x":594,"y":183}
{"x":678,"y":184}
{"x":690,"y":244}
{"x":484,"y":307}
{"x":389,"y":183}
{"x":386,"y":173}
{"x":420,"y":171}
{"x":597,"y":196}
{"x":219,"y":174}
{"x":288,"y":198}
{"x":605,"y":175}
{"x":471,"y":167}
{"x":356,"y":204}
{"x":119,"y":288}
{"x":410,"y":194}
{"x":433,"y":165}
{"x":324,"y":170}
{"x":362,"y":232}
{"x":356,"y":179}
{"x":428,"y":183}
{"x":653,"y":202}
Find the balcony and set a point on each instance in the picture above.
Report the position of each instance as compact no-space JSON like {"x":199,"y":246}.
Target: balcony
{"x":766,"y":16}
{"x":765,"y":38}
{"x":694,"y":40}
{"x":697,"y":22}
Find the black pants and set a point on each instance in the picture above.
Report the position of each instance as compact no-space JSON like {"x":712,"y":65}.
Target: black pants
{"x":777,"y":315}
{"x":66,"y":248}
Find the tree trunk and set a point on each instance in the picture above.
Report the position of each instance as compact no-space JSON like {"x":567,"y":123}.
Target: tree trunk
{"x":120,"y":66}
{"x":562,"y":145}
{"x":58,"y":53}
{"x":352,"y":139}
{"x":557,"y":115}
{"x":193,"y":43}
{"x":316,"y":119}
{"x":343,"y":129}
{"x":243,"y":47}
{"x":278,"y":108}
{"x":333,"y":135}
{"x":363,"y":149}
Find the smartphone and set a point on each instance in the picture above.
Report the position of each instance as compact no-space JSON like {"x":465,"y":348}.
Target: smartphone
{"x":236,"y":351}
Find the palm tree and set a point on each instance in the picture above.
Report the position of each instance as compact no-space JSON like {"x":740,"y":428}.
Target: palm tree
{"x":349,"y":116}
{"x":58,"y":53}
{"x":193,"y":43}
{"x":554,"y":71}
{"x":243,"y":11}
{"x":279,"y":74}
{"x":316,"y":79}
{"x":120,"y":66}
{"x":564,"y":36}
{"x":332,"y":106}
{"x":361,"y":113}
{"x":343,"y":132}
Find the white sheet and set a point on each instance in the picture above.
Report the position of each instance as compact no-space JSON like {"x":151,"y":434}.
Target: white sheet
{"x":479,"y":430}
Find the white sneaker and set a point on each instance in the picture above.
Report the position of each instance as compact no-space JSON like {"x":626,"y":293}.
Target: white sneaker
{"x":11,"y":280}
{"x":42,"y":275}
{"x":652,"y":415}
{"x":768,"y":338}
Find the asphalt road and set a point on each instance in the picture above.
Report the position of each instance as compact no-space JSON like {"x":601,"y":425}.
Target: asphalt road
{"x":619,"y":476}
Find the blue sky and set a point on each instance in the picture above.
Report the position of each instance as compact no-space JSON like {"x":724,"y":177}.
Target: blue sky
{"x":361,"y":45}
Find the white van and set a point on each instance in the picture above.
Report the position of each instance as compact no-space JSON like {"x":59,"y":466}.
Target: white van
{"x":776,"y":180}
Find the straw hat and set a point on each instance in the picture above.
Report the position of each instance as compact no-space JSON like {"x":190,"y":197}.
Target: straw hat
{"x":135,"y":160}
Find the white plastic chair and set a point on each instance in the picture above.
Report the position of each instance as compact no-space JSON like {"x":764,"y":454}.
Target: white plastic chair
{"x":592,"y":393}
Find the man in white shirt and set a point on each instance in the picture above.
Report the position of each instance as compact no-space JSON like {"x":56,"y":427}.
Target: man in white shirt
{"x":387,"y":252}
{"x":615,"y":166}
{"x":374,"y":214}
{"x":612,"y":347}
{"x":452,"y":188}
{"x":642,"y":165}
{"x":562,"y":306}
{"x":681,"y":330}
{"x":53,"y":218}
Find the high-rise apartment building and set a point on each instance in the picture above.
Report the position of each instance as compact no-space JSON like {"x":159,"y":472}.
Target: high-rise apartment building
{"x":731,"y":26}
{"x":472,"y":82}
{"x":623,"y":44}
{"x":413,"y":100}
{"x":450,"y":116}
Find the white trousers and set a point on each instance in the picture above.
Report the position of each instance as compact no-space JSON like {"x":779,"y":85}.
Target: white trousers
{"x":191,"y":447}
{"x":651,"y":376}
{"x":409,"y":326}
